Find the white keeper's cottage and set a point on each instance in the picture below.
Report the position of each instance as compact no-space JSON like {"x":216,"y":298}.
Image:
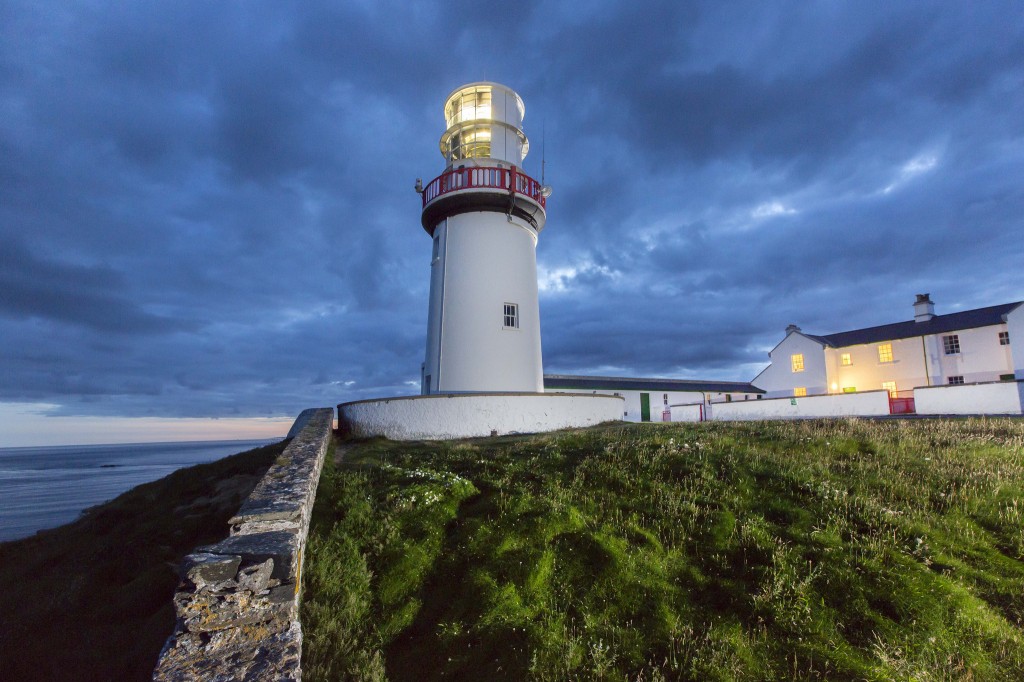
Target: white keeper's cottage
{"x":967,"y":347}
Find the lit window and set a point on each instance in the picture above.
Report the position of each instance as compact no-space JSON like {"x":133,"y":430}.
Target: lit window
{"x":1004,"y":338}
{"x":800,"y":391}
{"x":885,"y":352}
{"x":797,"y":360}
{"x":951,"y":345}
{"x":849,"y":389}
{"x":471,"y":104}
{"x":956,"y":381}
{"x":511,"y":316}
{"x":891,"y":387}
{"x":845,"y":360}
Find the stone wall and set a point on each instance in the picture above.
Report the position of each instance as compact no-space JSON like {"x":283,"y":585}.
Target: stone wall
{"x":237,"y":604}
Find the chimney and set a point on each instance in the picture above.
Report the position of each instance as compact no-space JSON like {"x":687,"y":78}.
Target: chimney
{"x":924,"y":308}
{"x":792,"y":328}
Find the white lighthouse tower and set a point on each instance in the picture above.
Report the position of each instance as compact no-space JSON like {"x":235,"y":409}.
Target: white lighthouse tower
{"x":483,"y":373}
{"x":484,"y":215}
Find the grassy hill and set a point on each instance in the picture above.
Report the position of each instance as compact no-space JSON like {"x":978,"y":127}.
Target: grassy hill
{"x":91,"y":600}
{"x":835,"y":550}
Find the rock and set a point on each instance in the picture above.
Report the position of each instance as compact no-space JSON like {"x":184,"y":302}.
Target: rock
{"x":203,"y":568}
{"x":282,"y":546}
{"x":256,"y":578}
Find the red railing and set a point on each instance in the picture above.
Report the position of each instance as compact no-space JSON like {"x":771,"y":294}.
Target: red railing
{"x":511,"y":180}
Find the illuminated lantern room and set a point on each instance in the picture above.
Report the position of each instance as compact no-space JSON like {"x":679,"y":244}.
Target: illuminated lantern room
{"x":484,"y":122}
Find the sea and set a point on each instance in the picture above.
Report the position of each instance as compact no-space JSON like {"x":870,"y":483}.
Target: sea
{"x":45,"y":487}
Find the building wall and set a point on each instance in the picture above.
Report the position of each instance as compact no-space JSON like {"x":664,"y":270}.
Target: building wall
{"x":687,"y":413}
{"x":662,"y":401}
{"x":981,"y":358}
{"x":778,"y":379}
{"x":867,"y":372}
{"x":485,"y":260}
{"x":1015,"y":325}
{"x":1004,"y":397}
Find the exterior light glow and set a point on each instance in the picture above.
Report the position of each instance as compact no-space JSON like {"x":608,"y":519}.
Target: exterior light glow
{"x":835,"y":386}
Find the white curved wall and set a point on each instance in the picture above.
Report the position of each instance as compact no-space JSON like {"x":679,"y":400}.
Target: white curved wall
{"x":444,"y":417}
{"x":484,"y":261}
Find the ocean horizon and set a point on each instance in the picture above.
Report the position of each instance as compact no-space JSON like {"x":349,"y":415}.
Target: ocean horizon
{"x":44,"y":487}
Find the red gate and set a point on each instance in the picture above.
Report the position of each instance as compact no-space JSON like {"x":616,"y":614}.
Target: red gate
{"x":902,"y":405}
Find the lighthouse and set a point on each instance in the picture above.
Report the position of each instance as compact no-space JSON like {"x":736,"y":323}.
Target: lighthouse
{"x":484,"y":215}
{"x":483,"y":374}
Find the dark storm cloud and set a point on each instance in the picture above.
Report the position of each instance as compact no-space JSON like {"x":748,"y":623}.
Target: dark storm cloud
{"x":207,"y":209}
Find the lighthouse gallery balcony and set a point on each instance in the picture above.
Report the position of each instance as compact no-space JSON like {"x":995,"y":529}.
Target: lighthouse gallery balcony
{"x":482,"y":188}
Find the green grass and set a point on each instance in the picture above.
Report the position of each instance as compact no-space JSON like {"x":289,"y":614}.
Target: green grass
{"x":92,"y":600}
{"x":839,"y":550}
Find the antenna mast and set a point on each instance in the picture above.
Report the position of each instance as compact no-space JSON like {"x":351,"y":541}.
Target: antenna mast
{"x":543,"y":150}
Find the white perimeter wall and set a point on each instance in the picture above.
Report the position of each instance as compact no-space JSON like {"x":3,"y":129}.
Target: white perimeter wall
{"x":1003,"y":397}
{"x":686,"y":413}
{"x":444,"y":417}
{"x":661,"y":401}
{"x":868,"y":403}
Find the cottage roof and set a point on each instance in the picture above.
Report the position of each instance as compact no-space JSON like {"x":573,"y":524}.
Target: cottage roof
{"x":940,"y":324}
{"x":591,"y":383}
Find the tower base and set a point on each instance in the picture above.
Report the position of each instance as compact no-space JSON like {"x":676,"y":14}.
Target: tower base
{"x":473,"y":415}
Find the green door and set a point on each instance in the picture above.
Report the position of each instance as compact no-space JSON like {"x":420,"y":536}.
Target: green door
{"x":645,"y":407}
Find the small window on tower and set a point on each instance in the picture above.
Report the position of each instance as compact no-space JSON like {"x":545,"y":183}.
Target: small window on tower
{"x":797,"y":362}
{"x":845,"y":360}
{"x":437,"y":248}
{"x":511,"y":316}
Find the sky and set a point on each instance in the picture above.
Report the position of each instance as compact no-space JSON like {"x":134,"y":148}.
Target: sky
{"x":207,"y":210}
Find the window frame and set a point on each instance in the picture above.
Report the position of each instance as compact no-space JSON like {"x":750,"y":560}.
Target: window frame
{"x":800,"y":392}
{"x":1004,"y":338}
{"x":510,"y":314}
{"x":885,"y":354}
{"x":890,"y":386}
{"x":951,"y":344}
{"x":846,"y":360}
{"x":955,"y":380}
{"x":796,"y":362}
